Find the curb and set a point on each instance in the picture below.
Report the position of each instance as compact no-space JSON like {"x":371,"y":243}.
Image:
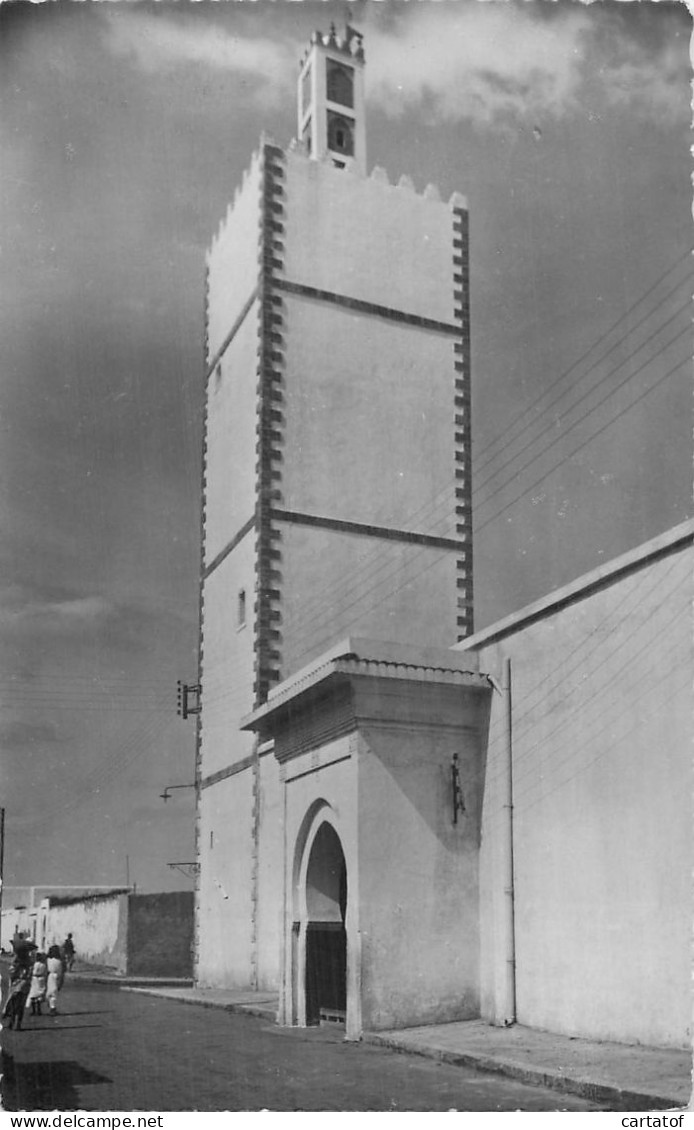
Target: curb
{"x":554,"y":1080}
{"x":136,"y":983}
{"x":263,"y":1011}
{"x":122,"y":982}
{"x":152,"y":986}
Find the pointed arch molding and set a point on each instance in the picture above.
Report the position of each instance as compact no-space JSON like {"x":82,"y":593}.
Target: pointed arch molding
{"x":293,"y":1009}
{"x":320,"y":812}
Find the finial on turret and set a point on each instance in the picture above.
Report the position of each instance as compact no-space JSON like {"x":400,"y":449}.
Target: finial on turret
{"x":351,"y":34}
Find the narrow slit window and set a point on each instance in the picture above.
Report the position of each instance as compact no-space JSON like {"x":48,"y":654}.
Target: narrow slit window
{"x":306,"y":90}
{"x":306,"y":136}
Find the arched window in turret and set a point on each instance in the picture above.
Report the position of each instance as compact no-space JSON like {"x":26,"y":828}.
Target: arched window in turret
{"x":340,"y":134}
{"x":340,"y":83}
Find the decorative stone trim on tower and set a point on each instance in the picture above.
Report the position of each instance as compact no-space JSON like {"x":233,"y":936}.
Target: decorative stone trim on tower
{"x":462,"y":432}
{"x":269,"y":423}
{"x":268,"y":469}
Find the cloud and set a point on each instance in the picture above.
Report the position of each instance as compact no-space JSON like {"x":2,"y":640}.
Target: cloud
{"x":479,"y":61}
{"x":83,"y":610}
{"x":159,"y":44}
{"x":53,"y":615}
{"x":495,"y":62}
{"x":653,"y":87}
{"x":490,"y":63}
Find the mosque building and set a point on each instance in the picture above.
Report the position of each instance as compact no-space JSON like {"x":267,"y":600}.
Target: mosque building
{"x":400,"y":822}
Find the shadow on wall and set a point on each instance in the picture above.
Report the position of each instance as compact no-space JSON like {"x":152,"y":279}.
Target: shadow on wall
{"x":160,"y":935}
{"x":420,"y":763}
{"x":138,"y":935}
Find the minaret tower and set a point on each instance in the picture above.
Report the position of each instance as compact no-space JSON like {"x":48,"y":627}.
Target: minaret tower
{"x":331,"y":99}
{"x":336,"y":464}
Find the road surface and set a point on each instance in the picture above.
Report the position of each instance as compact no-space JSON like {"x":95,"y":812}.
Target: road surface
{"x":113,"y":1050}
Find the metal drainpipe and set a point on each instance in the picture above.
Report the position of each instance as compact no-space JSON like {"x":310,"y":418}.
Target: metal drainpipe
{"x":509,"y":895}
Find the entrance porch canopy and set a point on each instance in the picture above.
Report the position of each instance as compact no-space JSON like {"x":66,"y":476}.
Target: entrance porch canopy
{"x":357,"y":656}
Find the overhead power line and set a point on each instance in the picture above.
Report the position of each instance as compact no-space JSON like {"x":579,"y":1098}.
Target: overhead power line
{"x":591,"y":655}
{"x":570,"y":407}
{"x":504,"y":437}
{"x":647,"y":392}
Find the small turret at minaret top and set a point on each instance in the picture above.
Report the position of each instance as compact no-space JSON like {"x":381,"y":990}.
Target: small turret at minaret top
{"x":331,"y":99}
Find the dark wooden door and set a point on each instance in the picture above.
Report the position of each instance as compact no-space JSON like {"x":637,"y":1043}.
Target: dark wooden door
{"x":326,"y":971}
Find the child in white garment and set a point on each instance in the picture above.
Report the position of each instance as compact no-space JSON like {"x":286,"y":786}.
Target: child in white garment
{"x":56,"y":975}
{"x":39,"y":975}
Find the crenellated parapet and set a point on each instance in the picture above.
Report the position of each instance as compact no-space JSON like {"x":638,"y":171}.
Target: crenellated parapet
{"x":297,"y":150}
{"x":249,"y":177}
{"x":350,"y":44}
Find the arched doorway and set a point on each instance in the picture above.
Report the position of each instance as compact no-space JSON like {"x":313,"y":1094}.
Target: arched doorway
{"x":326,"y":938}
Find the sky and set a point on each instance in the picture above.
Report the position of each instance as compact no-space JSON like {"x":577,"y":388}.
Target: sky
{"x":124,"y":129}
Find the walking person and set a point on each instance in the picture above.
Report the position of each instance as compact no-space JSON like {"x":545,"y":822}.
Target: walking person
{"x":20,"y":984}
{"x":69,"y":952}
{"x":56,"y":976}
{"x":37,"y":988}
